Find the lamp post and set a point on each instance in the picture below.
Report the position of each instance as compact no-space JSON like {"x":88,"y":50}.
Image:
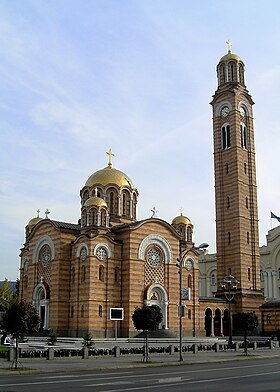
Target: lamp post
{"x":181,"y":308}
{"x":229,"y":285}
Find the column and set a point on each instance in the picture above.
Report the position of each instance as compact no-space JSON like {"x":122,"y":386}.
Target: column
{"x":265,"y":284}
{"x":212,"y":326}
{"x":274,"y":284}
{"x":222,"y":325}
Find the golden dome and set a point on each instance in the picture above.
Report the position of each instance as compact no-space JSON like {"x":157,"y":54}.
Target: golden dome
{"x":34,"y":221}
{"x":95,"y":201}
{"x":181,"y":219}
{"x":109,"y":175}
{"x":230,"y":56}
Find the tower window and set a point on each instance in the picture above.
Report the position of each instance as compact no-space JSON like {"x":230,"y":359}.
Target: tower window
{"x":249,"y":274}
{"x":111,"y":202}
{"x":244,"y":136}
{"x":101,"y":273}
{"x":190,"y":281}
{"x":248,"y":237}
{"x":82,"y":311}
{"x":245,"y":167}
{"x":225,"y":136}
{"x":226,"y":168}
{"x":278,"y":273}
{"x":189,"y":314}
{"x":100,"y":311}
{"x":83,"y":273}
{"x":229,"y":237}
{"x":247,"y":205}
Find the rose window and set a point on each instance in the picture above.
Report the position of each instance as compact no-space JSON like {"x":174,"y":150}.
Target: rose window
{"x":45,"y":255}
{"x":101,"y":253}
{"x":154,"y":257}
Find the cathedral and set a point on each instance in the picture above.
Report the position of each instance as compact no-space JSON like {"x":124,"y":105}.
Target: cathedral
{"x":77,"y":273}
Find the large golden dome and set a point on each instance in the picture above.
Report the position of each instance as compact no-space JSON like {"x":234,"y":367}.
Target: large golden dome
{"x":109,"y":175}
{"x":230,"y":56}
{"x":34,"y":221}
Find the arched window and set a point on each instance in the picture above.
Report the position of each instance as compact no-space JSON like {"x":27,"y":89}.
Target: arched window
{"x":100,"y":311}
{"x":83,"y":273}
{"x":101,"y":273}
{"x":248,"y":237}
{"x":111,"y":197}
{"x":103,"y":218}
{"x":94,"y":217}
{"x":124,"y":203}
{"x":244,"y":136}
{"x":84,"y":218}
{"x":247,"y":204}
{"x":249,"y":273}
{"x":189,"y":234}
{"x":225,"y":136}
{"x":189,"y":281}
{"x":213,"y":279}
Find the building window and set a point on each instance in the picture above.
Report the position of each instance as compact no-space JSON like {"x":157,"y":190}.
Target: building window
{"x":123,"y":203}
{"x":101,"y":253}
{"x":245,"y":167}
{"x":278,"y":273}
{"x":111,"y":202}
{"x":189,"y":314}
{"x":261,"y":276}
{"x":248,"y":237}
{"x":72,"y":311}
{"x":101,"y":273}
{"x":213,"y":279}
{"x":189,"y":281}
{"x":100,"y":311}
{"x":83,"y":273}
{"x":247,"y":204}
{"x":82,"y":311}
{"x":225,"y":136}
{"x":268,"y":319}
{"x":249,"y":273}
{"x":229,"y":237}
{"x":229,"y":271}
{"x":226,"y":168}
{"x":154,"y":257}
{"x":244,"y":136}
{"x":73,"y":274}
{"x":228,"y":202}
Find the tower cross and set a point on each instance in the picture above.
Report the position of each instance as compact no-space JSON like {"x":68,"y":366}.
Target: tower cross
{"x":110,"y":153}
{"x":228,"y":42}
{"x":38,"y":213}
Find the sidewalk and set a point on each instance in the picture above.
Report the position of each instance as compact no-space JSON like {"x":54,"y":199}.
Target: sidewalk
{"x":74,"y":364}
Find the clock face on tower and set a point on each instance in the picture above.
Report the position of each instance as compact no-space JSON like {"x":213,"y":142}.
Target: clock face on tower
{"x":242,"y":111}
{"x":225,"y":111}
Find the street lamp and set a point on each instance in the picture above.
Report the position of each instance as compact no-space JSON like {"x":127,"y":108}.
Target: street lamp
{"x":181,"y":308}
{"x":229,"y":285}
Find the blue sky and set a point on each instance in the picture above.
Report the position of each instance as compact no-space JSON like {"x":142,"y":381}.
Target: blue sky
{"x":137,"y":76}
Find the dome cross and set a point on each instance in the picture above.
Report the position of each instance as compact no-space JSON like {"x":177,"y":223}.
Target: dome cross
{"x":110,"y":154}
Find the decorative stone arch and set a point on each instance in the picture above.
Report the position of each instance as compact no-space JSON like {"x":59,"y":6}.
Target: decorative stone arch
{"x":24,"y":263}
{"x":220,"y":106}
{"x":45,"y":240}
{"x":208,"y":321}
{"x":103,"y":245}
{"x":243,"y":104}
{"x":80,"y":246}
{"x":41,"y":297}
{"x":154,"y":239}
{"x":156,"y":294}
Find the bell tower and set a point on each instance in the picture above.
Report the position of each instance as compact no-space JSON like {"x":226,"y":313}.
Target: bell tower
{"x":237,"y":233}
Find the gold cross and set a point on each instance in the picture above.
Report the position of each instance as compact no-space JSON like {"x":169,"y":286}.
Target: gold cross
{"x":110,"y":153}
{"x":38,"y":213}
{"x":182,"y":211}
{"x":229,"y":45}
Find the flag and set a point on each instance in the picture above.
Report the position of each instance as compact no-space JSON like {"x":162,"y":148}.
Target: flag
{"x":273,"y":216}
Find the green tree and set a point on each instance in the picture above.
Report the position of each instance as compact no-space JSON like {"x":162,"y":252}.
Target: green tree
{"x":20,"y":318}
{"x":147,"y":319}
{"x":6,"y":295}
{"x":245,"y":322}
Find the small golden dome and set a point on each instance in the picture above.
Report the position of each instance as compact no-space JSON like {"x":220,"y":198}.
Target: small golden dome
{"x":230,"y":56}
{"x":34,"y":221}
{"x":96,"y":202}
{"x":181,"y":219}
{"x":108,"y":176}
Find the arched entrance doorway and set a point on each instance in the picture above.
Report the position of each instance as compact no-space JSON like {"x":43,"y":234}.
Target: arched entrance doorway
{"x":157,"y":295}
{"x":217,"y":323}
{"x":208,"y":322}
{"x":41,"y":302}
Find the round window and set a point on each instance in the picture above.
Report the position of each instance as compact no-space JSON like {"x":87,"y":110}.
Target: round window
{"x":101,"y":253}
{"x":154,"y":257}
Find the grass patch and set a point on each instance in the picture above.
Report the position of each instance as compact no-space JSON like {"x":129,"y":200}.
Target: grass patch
{"x":4,"y":351}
